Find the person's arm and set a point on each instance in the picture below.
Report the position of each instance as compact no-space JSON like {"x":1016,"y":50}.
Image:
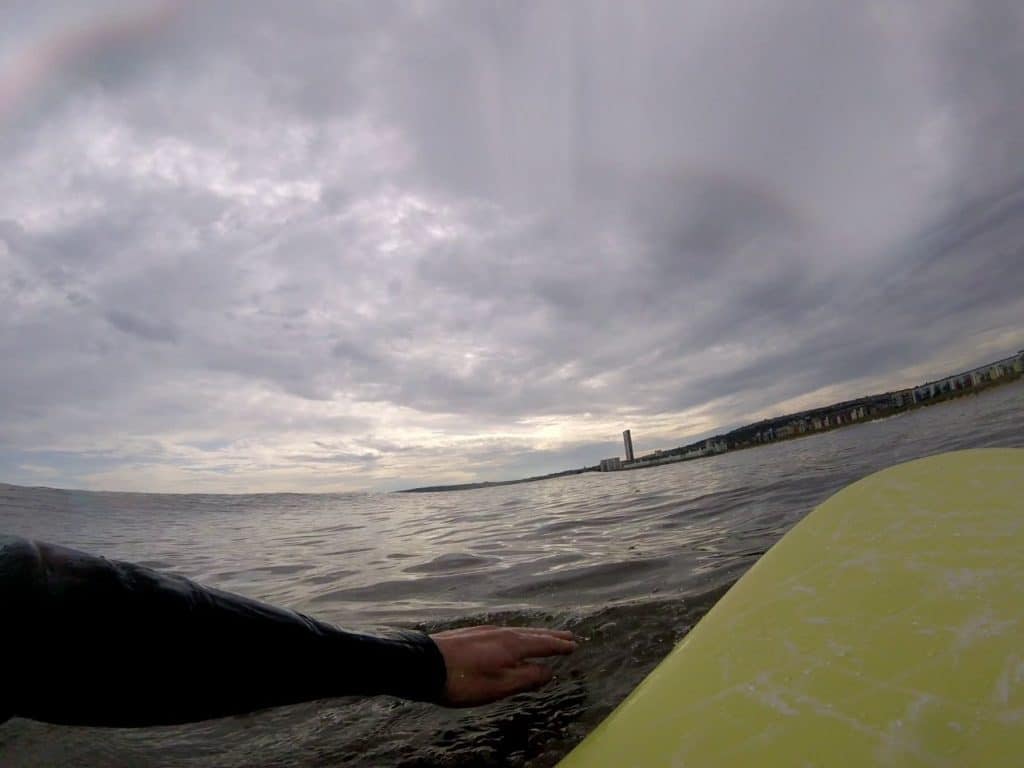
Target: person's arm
{"x":92,"y":641}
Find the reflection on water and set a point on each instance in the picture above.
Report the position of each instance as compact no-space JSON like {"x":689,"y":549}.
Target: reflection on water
{"x":630,"y":560}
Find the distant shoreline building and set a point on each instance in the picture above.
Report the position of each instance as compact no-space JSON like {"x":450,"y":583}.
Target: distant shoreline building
{"x":984,"y":374}
{"x":615,"y":464}
{"x":828,"y":417}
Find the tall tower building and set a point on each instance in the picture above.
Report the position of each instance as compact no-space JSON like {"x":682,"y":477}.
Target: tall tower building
{"x":627,"y":439}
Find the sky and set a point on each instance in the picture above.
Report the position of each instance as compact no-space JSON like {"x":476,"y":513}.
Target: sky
{"x":254,"y":246}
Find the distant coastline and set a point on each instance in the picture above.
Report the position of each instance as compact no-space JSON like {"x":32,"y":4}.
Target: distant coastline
{"x":799,"y":424}
{"x":491,"y":484}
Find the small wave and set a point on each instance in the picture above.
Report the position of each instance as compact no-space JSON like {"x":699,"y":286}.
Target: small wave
{"x":263,"y":570}
{"x":327,"y":578}
{"x":403,"y":589}
{"x":451,"y":562}
{"x":591,"y":577}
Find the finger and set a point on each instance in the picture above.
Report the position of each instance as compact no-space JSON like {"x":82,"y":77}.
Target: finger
{"x":562,"y":633}
{"x":559,"y":639}
{"x":530,"y":646}
{"x":526,"y":677}
{"x":546,"y":633}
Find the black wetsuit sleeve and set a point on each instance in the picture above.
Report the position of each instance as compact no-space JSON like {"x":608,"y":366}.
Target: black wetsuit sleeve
{"x":92,"y":641}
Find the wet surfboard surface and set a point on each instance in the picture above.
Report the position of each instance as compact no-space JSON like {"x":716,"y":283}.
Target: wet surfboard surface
{"x":886,"y":628}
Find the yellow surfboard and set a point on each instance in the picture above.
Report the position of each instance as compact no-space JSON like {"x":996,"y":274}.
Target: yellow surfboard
{"x":885,"y":629}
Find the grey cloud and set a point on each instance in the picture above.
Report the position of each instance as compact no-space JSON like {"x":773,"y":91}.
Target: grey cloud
{"x":980,"y":56}
{"x":332,"y":458}
{"x":467,"y":217}
{"x":144,"y":328}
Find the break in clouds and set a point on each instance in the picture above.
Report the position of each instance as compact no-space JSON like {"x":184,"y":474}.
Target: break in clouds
{"x":251,"y":246}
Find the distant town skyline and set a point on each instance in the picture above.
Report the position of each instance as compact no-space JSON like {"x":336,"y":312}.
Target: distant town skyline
{"x":823,"y":417}
{"x":393,"y":244}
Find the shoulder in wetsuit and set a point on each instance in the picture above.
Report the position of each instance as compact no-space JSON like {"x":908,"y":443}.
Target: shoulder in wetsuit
{"x":92,"y":641}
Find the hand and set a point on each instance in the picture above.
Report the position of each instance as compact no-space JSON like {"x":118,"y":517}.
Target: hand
{"x":489,"y":663}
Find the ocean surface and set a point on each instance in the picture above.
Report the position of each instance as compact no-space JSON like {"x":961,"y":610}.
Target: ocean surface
{"x":628,"y":560}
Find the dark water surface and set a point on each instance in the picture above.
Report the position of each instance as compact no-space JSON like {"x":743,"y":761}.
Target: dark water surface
{"x":630,"y":560}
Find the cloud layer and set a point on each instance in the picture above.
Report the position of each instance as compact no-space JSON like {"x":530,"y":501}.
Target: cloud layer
{"x":244,"y":247}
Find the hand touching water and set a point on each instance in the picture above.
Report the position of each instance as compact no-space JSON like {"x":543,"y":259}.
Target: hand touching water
{"x":489,"y":663}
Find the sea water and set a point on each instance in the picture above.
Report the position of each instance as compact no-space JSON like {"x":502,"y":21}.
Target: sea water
{"x":628,"y":560}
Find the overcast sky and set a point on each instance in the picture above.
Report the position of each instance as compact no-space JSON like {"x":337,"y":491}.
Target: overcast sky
{"x":338,"y":246}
